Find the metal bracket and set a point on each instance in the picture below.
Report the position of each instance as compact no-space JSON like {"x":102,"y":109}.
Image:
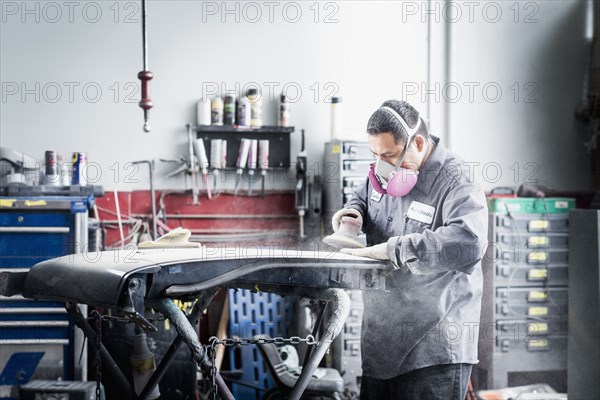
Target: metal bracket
{"x":134,"y":300}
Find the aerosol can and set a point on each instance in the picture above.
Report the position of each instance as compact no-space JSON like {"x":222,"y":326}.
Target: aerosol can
{"x":142,"y":365}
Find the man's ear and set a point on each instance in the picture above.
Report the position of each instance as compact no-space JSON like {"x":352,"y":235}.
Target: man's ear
{"x":419,"y":142}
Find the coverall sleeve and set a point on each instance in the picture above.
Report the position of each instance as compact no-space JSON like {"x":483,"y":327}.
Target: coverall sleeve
{"x":456,"y":245}
{"x":358,"y":201}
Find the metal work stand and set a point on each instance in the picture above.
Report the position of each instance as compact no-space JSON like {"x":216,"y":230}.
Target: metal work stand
{"x":188,"y":335}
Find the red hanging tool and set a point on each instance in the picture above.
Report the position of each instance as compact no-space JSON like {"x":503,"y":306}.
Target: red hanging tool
{"x":145,"y":76}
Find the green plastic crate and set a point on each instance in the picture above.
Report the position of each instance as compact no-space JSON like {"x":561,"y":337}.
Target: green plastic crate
{"x":529,"y":205}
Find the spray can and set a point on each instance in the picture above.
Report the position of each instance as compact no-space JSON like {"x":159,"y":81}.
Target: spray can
{"x":216,"y":111}
{"x":243,"y":112}
{"x":229,"y":109}
{"x":284,"y":111}
{"x":51,"y":158}
{"x":336,"y":118}
{"x":51,"y":175}
{"x":255,"y":108}
{"x":79,"y":166}
{"x":203,"y":112}
{"x":65,"y":171}
{"x":142,"y":365}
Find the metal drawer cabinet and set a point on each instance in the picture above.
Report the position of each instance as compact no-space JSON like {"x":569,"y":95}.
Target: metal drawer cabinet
{"x":38,"y":340}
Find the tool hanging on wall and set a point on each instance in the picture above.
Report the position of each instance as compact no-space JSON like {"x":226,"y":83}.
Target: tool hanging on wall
{"x":203,"y":163}
{"x":193,"y":167}
{"x":302,"y":193}
{"x":145,"y":76}
{"x":150,"y":164}
{"x":252,"y":153}
{"x":187,"y":165}
{"x":263,"y":160}
{"x":302,"y":183}
{"x":223,"y":157}
{"x":241,"y":163}
{"x":183,"y":166}
{"x":218,"y":155}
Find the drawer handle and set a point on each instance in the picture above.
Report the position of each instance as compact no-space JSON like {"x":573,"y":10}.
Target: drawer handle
{"x":33,"y":324}
{"x":32,"y":310}
{"x":30,"y":342}
{"x":34,"y":229}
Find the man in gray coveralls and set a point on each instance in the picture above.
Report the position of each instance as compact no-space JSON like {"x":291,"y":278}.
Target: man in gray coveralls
{"x":421,"y":211}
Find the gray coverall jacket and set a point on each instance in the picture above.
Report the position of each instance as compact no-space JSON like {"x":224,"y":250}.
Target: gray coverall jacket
{"x":436,"y":236}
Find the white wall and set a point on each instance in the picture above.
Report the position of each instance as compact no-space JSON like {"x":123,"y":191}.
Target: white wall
{"x":360,"y":53}
{"x":371,"y":51}
{"x":537,"y":54}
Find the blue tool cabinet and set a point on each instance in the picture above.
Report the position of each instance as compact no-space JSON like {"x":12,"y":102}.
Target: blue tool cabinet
{"x":37,"y":340}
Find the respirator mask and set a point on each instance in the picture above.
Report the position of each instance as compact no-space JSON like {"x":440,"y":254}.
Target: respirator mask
{"x":395,"y":180}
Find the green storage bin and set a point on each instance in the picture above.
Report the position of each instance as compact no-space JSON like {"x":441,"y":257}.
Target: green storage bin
{"x":530,"y":205}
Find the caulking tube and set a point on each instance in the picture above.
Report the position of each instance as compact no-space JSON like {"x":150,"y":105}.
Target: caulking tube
{"x":252,"y":162}
{"x":263,"y":163}
{"x":241,"y":163}
{"x":216,"y":159}
{"x":224,"y":153}
{"x":203,"y":161}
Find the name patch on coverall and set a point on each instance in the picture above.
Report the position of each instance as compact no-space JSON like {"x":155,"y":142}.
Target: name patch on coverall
{"x":421,"y":212}
{"x":375,"y":196}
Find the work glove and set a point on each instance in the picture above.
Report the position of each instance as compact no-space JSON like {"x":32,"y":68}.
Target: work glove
{"x":337,"y":217}
{"x":378,"y":252}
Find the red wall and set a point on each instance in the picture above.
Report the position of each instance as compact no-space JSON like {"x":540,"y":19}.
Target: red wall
{"x":238,"y":219}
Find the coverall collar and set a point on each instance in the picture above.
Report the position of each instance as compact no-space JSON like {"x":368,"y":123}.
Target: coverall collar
{"x":430,"y":169}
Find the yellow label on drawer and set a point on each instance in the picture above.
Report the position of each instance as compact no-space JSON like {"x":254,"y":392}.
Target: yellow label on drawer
{"x":537,"y":327}
{"x":35,"y":203}
{"x":336,"y":149}
{"x":537,"y":241}
{"x":7,"y":202}
{"x":538,"y":256}
{"x":537,"y":274}
{"x":539,"y":224}
{"x":538,"y":343}
{"x":535,"y":295}
{"x":537,"y":311}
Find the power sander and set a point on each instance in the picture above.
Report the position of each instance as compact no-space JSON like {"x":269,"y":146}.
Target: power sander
{"x":347,"y":234}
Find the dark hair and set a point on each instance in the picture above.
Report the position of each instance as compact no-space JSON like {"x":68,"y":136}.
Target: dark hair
{"x":383,"y":121}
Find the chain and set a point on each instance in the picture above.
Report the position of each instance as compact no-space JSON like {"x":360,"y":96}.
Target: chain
{"x":228,"y":342}
{"x":211,"y":351}
{"x":98,"y":318}
{"x":235,"y":341}
{"x":105,"y":317}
